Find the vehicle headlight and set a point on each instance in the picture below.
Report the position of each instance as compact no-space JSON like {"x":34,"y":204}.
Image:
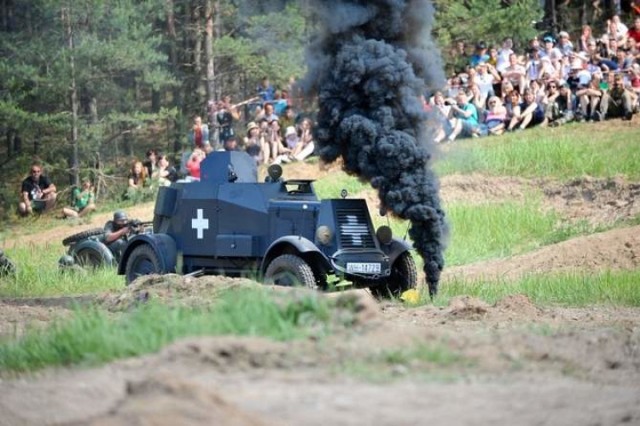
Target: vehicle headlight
{"x":324,"y":234}
{"x":384,"y":234}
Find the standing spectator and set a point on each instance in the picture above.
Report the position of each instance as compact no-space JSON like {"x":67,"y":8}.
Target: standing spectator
{"x":617,"y":101}
{"x":83,"y":201}
{"x":199,"y":133}
{"x":527,"y":114}
{"x":225,"y":118}
{"x":279,"y":103}
{"x":265,"y":90}
{"x":136,"y":181}
{"x":37,"y":191}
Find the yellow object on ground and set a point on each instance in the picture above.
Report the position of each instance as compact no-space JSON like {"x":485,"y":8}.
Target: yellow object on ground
{"x":411,"y":296}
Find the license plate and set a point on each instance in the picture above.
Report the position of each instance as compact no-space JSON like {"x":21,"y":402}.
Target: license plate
{"x":363,"y":268}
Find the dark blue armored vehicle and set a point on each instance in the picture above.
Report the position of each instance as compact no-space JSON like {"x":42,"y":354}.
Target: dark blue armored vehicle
{"x":279,"y":231}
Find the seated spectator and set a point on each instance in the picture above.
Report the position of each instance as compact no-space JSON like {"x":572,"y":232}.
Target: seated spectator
{"x":505,"y":91}
{"x":486,"y":77}
{"x":589,"y":99}
{"x":564,"y":43}
{"x":515,"y":73}
{"x":496,"y":116}
{"x":480,"y":56}
{"x":151,"y":162}
{"x":306,"y":145}
{"x":165,"y":173}
{"x":478,"y":100}
{"x":193,"y":165}
{"x":467,"y":124}
{"x":634,"y":32}
{"x":561,"y":111}
{"x":586,"y":39}
{"x":266,"y":90}
{"x":274,"y":140}
{"x":231,"y":144}
{"x":443,"y":117}
{"x":527,"y":114}
{"x":287,"y":119}
{"x":269,"y":112}
{"x":617,"y":101}
{"x":538,"y":90}
{"x":255,"y":145}
{"x":83,"y":201}
{"x":512,"y":101}
{"x":37,"y":192}
{"x":137,"y":182}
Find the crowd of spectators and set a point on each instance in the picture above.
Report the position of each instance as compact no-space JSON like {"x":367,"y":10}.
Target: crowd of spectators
{"x":554,"y":80}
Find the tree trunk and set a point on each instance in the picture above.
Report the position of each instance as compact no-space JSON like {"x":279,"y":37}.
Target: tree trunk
{"x":66,"y":13}
{"x":172,"y":37}
{"x":208,"y":46}
{"x":198,"y":73}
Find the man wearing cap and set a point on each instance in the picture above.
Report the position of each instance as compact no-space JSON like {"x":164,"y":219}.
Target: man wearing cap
{"x":550,"y":50}
{"x":116,"y":232}
{"x":480,"y":56}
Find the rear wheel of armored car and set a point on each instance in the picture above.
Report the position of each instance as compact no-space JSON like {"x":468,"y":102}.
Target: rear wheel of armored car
{"x":82,"y":235}
{"x":142,"y":261}
{"x":290,"y":270}
{"x":93,"y":257}
{"x":404,"y":275}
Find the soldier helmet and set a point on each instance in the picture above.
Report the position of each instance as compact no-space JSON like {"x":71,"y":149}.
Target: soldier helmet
{"x":120,"y":216}
{"x":66,"y":261}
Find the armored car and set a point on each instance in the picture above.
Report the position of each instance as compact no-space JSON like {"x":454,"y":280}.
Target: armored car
{"x":278,"y":231}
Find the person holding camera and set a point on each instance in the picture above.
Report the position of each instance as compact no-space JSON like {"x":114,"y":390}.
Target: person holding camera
{"x":37,"y":192}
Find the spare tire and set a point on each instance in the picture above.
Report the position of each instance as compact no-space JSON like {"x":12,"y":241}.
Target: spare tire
{"x":82,"y":235}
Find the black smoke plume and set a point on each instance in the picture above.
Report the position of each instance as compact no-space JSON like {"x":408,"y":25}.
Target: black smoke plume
{"x":368,"y":66}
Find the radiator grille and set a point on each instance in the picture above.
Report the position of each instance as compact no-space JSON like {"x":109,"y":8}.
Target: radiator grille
{"x":354,"y":229}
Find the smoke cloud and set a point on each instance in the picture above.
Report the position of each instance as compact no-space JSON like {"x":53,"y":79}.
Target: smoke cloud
{"x":368,"y":65}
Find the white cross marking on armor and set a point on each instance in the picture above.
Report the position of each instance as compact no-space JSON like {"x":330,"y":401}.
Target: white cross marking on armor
{"x":200,"y":224}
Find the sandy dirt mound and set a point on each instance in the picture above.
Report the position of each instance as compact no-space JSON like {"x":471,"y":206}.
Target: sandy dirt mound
{"x":611,"y":250}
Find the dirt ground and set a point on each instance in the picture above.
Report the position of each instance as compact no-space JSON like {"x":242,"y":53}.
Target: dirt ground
{"x":512,"y":363}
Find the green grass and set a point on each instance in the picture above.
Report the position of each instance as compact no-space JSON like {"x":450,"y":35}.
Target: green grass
{"x":38,"y":275}
{"x":331,"y":185}
{"x":572,"y":151}
{"x":579,"y":289}
{"x":93,"y":337}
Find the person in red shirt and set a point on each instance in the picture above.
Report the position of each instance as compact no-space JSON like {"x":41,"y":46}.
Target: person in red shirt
{"x":634,"y":32}
{"x":193,"y":165}
{"x":199,"y":133}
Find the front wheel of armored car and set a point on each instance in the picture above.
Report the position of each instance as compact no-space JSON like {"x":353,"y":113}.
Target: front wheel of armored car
{"x":404,"y":276}
{"x":142,"y":261}
{"x":290,"y":270}
{"x":82,"y":235}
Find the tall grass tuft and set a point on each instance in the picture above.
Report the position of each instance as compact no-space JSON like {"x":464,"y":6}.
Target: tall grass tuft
{"x":92,"y":336}
{"x":577,"y":289}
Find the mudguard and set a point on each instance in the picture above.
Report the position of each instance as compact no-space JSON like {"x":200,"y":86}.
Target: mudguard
{"x":162,"y":244}
{"x":97,"y":247}
{"x":301,"y":244}
{"x":395,"y":248}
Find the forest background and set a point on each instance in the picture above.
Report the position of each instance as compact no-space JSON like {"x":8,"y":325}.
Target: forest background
{"x":88,"y":85}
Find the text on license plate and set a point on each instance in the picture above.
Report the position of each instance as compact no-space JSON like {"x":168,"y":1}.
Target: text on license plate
{"x":363,"y":268}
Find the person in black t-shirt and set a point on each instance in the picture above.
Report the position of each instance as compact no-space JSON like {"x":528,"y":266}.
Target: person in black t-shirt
{"x":37,"y":193}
